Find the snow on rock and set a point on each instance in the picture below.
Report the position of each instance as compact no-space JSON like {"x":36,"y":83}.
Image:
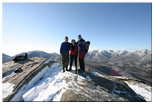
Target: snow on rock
{"x":46,"y":89}
{"x":88,"y":78}
{"x":47,"y":61}
{"x":96,"y":74}
{"x":141,"y":89}
{"x":59,"y":95}
{"x":38,"y":82}
{"x":7,"y":89}
{"x":52,"y":86}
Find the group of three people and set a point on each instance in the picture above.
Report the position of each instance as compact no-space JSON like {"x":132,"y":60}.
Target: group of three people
{"x":77,"y":50}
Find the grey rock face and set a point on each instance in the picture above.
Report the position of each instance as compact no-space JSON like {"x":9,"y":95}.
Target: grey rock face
{"x":30,"y":68}
{"x":99,"y":88}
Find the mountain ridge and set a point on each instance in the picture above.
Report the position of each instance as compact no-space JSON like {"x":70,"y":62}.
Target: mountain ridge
{"x":35,"y":53}
{"x":39,"y":53}
{"x":48,"y":83}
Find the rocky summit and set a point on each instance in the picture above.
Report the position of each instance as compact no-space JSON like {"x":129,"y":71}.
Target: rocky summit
{"x":40,"y":79}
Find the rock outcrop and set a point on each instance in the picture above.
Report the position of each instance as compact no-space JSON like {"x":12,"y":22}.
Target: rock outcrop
{"x":37,"y":77}
{"x":100,"y":88}
{"x":28,"y":69}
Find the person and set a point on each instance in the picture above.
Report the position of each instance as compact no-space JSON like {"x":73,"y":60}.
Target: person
{"x":26,"y":56}
{"x":87,"y":46}
{"x":82,"y":52}
{"x":73,"y":54}
{"x":64,"y":51}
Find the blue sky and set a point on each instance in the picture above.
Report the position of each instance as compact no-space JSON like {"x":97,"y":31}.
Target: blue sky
{"x":43,"y":26}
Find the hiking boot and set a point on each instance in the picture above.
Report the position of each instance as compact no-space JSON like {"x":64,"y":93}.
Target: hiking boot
{"x":76,"y":70}
{"x":63,"y":69}
{"x":66,"y":69}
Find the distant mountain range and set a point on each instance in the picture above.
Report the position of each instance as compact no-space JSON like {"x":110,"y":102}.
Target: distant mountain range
{"x":5,"y":58}
{"x":97,"y":56}
{"x":118,"y":56}
{"x":137,"y":64}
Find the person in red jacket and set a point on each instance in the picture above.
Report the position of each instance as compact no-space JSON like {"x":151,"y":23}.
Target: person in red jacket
{"x":73,"y":54}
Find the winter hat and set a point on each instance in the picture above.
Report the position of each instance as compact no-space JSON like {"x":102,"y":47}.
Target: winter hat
{"x":79,"y":35}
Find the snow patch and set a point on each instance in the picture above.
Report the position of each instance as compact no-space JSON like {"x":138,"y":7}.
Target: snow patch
{"x":141,"y":89}
{"x":47,"y":61}
{"x":88,"y":78}
{"x":59,"y":95}
{"x":96,"y":74}
{"x":7,"y":89}
{"x":49,"y":84}
{"x":49,"y":87}
{"x":38,"y":80}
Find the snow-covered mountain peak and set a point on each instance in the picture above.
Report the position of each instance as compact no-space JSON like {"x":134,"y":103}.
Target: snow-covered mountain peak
{"x":110,"y":53}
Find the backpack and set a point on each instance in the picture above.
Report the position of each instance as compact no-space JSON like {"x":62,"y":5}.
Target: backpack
{"x":82,"y":45}
{"x":87,"y":46}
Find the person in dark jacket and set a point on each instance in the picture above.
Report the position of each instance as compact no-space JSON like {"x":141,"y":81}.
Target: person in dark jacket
{"x":73,"y":54}
{"x":64,"y":51}
{"x":82,"y":52}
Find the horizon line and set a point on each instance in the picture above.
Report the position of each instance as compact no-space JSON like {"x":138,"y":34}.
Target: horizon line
{"x":89,"y":50}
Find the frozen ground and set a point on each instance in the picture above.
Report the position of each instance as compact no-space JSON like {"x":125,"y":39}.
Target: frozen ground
{"x":7,"y":89}
{"x":143,"y":90}
{"x":47,"y":85}
{"x":50,"y":83}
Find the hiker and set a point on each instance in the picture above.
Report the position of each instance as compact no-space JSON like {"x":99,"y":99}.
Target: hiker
{"x":73,"y":54}
{"x":82,"y":52}
{"x":64,"y":51}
